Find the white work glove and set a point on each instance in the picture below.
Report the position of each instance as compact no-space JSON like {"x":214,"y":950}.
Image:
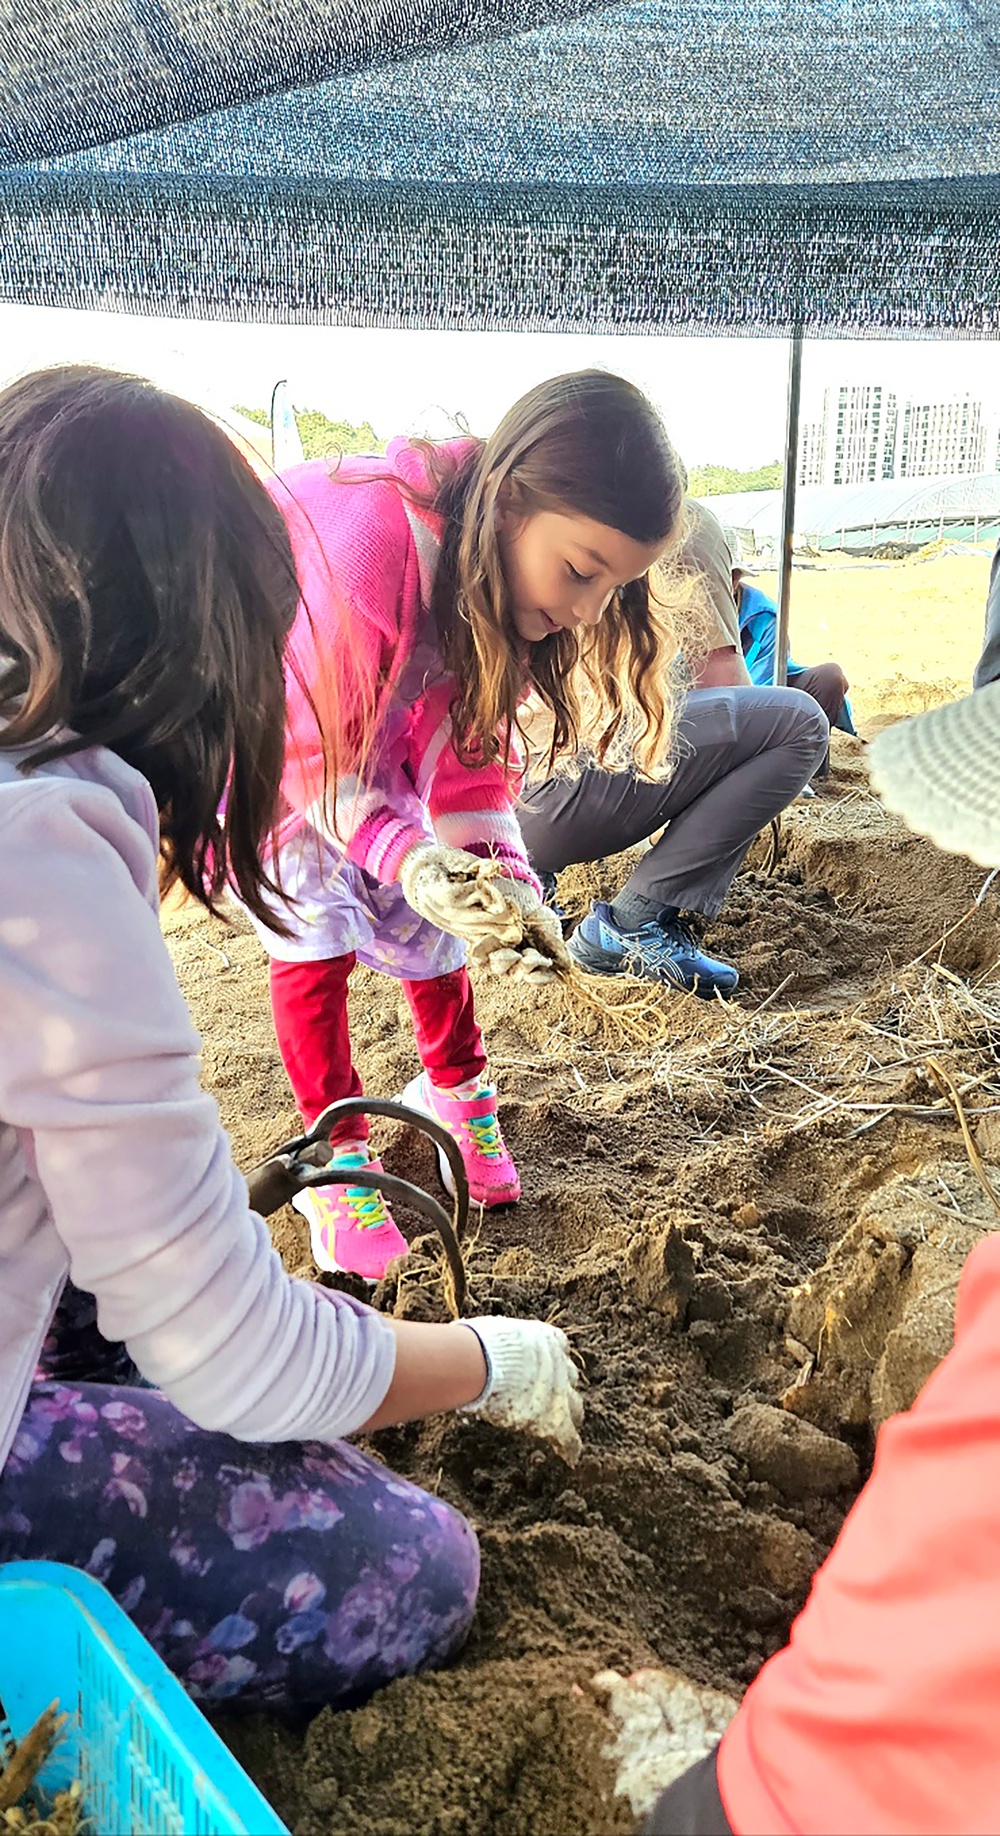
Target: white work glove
{"x":451,"y":889}
{"x":532,"y":1381}
{"x":541,"y":948}
{"x":503,"y":921}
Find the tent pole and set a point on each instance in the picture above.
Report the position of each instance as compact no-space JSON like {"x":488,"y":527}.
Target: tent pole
{"x":788,"y":507}
{"x":274,"y":424}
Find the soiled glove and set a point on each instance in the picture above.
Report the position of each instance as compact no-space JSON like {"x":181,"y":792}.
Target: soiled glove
{"x":532,"y":1383}
{"x":456,"y":891}
{"x":542,"y":951}
{"x":505,"y":924}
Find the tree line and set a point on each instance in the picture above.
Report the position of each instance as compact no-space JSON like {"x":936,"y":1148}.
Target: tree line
{"x":321,"y":436}
{"x":714,"y":480}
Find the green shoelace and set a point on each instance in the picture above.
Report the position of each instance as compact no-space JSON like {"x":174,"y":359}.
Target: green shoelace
{"x":486,"y":1137}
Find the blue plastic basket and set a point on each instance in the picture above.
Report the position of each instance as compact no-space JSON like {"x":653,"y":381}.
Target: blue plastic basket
{"x":147,"y":1760}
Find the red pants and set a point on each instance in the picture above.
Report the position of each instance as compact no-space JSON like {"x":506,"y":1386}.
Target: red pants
{"x":309,"y":1004}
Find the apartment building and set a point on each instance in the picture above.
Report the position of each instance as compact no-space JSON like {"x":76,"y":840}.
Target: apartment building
{"x":940,"y":438}
{"x":862,"y":432}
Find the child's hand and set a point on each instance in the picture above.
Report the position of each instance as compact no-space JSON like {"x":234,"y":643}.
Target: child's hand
{"x":504,"y":922}
{"x":532,"y":1383}
{"x":541,"y":953}
{"x":460,"y":894}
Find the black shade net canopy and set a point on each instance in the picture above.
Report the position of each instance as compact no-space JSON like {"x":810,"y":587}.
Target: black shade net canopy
{"x":828,"y":166}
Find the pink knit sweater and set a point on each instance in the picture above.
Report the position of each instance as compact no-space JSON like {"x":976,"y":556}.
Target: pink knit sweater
{"x":363,"y":651}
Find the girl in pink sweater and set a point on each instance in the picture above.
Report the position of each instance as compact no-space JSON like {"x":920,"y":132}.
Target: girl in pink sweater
{"x":441,"y":586}
{"x":146,"y":595}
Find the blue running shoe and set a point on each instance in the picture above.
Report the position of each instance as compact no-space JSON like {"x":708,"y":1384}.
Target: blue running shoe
{"x":662,"y":951}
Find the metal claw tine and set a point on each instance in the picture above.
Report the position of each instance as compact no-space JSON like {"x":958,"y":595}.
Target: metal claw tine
{"x":275,"y":1180}
{"x":404,"y":1190}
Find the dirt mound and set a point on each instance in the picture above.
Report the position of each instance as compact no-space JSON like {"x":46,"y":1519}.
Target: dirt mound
{"x":520,"y":1751}
{"x":852,"y":892}
{"x":752,"y":1233}
{"x":880,"y":1310}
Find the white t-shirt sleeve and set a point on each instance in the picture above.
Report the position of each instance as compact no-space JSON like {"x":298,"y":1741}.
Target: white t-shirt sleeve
{"x":99,"y":1072}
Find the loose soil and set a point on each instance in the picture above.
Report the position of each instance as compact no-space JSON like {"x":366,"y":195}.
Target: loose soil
{"x":752,"y":1233}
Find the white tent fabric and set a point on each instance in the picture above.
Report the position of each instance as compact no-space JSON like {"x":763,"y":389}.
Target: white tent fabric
{"x":824,"y":511}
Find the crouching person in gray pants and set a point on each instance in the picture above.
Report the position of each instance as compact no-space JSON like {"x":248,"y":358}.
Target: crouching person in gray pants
{"x":743,"y":754}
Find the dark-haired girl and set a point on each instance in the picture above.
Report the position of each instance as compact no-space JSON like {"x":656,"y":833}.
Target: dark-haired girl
{"x":440,"y":587}
{"x":146,"y":594}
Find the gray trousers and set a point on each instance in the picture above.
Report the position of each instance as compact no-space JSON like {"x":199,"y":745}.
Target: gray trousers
{"x":744,"y":753}
{"x":988,"y":667}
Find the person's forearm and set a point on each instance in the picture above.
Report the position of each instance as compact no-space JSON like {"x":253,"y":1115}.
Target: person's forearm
{"x":722,"y":668}
{"x":437,"y":1368}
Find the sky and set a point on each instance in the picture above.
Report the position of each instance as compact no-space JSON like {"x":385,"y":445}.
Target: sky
{"x":723,"y":400}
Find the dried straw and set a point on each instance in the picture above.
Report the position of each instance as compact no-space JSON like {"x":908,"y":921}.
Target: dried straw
{"x":946,"y":1084}
{"x":724,"y":1054}
{"x":63,"y":1817}
{"x":26,"y":1757}
{"x":22,"y":1763}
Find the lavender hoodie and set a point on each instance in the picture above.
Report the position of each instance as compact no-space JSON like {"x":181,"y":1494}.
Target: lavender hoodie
{"x":114,"y":1167}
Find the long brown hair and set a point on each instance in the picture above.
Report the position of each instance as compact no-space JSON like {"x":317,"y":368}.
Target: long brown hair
{"x":586,"y":444}
{"x":147,"y":589}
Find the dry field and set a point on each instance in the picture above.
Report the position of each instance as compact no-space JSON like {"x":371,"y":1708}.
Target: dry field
{"x":752,"y":1229}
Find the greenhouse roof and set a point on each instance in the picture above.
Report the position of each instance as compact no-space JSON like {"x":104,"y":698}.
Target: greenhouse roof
{"x":825,"y":510}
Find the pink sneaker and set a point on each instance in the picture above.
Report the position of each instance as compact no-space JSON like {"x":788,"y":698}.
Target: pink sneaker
{"x":351,"y":1228}
{"x":473,"y":1121}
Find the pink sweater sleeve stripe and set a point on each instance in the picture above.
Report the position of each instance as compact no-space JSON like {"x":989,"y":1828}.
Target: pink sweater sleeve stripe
{"x":382,"y":843}
{"x":490,"y":834}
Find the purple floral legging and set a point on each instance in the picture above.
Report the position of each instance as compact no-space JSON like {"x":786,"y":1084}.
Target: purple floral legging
{"x":281,"y":1577}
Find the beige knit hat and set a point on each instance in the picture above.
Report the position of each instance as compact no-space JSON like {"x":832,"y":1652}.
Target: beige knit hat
{"x":941,"y":773}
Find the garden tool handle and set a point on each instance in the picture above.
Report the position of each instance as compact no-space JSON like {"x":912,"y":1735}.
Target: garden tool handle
{"x":272,"y":1184}
{"x":275,"y":1181}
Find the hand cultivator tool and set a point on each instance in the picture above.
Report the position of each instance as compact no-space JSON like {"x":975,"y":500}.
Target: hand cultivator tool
{"x":304,"y":1162}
